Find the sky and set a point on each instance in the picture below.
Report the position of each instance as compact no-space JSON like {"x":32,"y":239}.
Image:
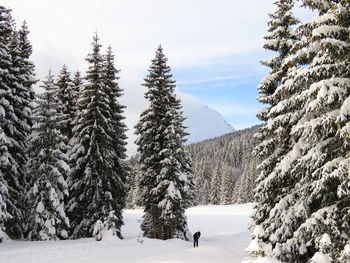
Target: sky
{"x":213,"y":47}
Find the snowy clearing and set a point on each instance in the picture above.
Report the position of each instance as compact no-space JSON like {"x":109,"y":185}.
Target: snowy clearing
{"x":224,"y":237}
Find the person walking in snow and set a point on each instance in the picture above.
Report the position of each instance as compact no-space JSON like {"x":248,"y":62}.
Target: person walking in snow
{"x":196,"y":236}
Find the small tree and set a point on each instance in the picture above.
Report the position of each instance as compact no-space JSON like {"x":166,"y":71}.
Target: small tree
{"x":98,"y":230}
{"x":323,"y":245}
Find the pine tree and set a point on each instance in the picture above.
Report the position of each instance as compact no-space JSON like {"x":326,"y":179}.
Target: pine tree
{"x":16,"y":97}
{"x":226,"y":188}
{"x":47,"y":168}
{"x":274,"y":136}
{"x":27,"y":78}
{"x":118,"y":136}
{"x":8,"y":164}
{"x":77,"y":87}
{"x":312,"y":175}
{"x":215,"y":186}
{"x":321,"y":141}
{"x":97,"y":178}
{"x":67,"y":97}
{"x":166,"y":181}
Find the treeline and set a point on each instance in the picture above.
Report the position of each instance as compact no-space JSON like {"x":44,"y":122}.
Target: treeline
{"x":62,"y":152}
{"x":224,"y":170}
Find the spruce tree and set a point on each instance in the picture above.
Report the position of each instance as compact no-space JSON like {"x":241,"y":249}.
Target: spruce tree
{"x":67,"y":97}
{"x":215,"y":186}
{"x":27,"y":79}
{"x":97,"y":178}
{"x":320,"y":200}
{"x":16,"y":97}
{"x":226,"y":188}
{"x":274,"y":136}
{"x":77,"y":87}
{"x":166,"y":181}
{"x":308,"y":186}
{"x":118,"y":136}
{"x":48,"y":167}
{"x":8,"y":165}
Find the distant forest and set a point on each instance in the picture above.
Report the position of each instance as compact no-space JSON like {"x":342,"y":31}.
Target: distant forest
{"x":224,"y":169}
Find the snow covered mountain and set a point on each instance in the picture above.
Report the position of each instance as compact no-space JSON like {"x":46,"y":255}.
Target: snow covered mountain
{"x":202,"y":121}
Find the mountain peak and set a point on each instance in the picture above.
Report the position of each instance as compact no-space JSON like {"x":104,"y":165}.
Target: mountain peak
{"x":202,"y":122}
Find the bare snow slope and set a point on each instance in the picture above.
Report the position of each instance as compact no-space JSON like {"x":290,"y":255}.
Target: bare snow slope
{"x":202,"y":121}
{"x":224,"y":237}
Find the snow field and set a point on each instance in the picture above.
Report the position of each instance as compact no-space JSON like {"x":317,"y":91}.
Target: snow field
{"x":224,"y":237}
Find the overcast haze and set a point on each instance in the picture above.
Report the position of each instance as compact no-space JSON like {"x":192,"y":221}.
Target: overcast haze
{"x":213,"y":46}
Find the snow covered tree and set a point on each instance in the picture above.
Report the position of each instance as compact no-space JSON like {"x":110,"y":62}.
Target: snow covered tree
{"x":226,"y":188}
{"x":215,"y":187}
{"x":7,"y":163}
{"x":274,"y":136}
{"x":108,"y":226}
{"x":98,"y":174}
{"x":118,"y":137}
{"x":27,"y":78}
{"x":67,"y":97}
{"x":77,"y":86}
{"x":257,"y":248}
{"x":321,"y":135}
{"x":166,"y":182}
{"x":231,"y":152}
{"x":47,"y":168}
{"x":322,"y":255}
{"x":98,"y":230}
{"x":16,"y":96}
{"x":306,"y":193}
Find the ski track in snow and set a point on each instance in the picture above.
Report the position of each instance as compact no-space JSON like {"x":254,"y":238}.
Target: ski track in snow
{"x":224,"y":237}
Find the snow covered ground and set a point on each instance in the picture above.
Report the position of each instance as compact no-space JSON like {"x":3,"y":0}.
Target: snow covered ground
{"x":224,"y":236}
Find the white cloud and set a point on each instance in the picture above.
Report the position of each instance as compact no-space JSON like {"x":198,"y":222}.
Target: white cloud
{"x":220,"y":78}
{"x":192,"y":33}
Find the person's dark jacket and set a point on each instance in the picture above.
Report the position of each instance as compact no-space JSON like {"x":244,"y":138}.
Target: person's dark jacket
{"x":196,"y":235}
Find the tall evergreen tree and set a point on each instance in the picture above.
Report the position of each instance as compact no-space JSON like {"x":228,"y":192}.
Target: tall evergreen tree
{"x":319,"y":202}
{"x":16,"y":97}
{"x":27,"y":78}
{"x":274,"y":136}
{"x":166,"y":181}
{"x":96,"y":181}
{"x":8,"y":164}
{"x":312,"y":176}
{"x":67,"y":97}
{"x":119,"y":130}
{"x":48,"y":167}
